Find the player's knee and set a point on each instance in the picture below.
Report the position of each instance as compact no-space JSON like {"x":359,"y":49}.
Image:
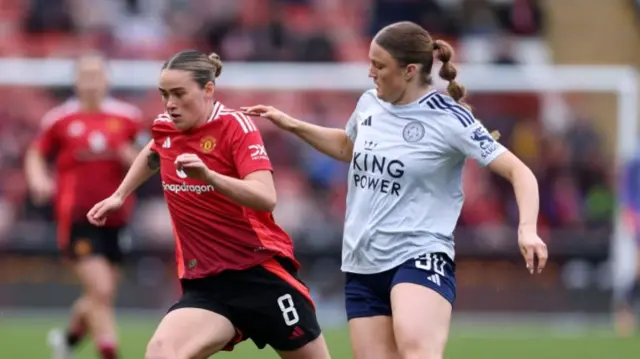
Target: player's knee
{"x":418,"y":348}
{"x":101,"y":296}
{"x":420,"y":354}
{"x":159,"y":348}
{"x":82,"y":304}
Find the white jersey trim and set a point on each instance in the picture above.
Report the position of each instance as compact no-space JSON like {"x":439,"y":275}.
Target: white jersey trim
{"x":245,"y":123}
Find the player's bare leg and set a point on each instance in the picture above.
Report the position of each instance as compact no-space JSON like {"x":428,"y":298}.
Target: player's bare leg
{"x":316,"y":349}
{"x":190,"y":333}
{"x":372,"y":338}
{"x":625,"y":317}
{"x":421,"y":321}
{"x":99,"y":282}
{"x":63,"y":342}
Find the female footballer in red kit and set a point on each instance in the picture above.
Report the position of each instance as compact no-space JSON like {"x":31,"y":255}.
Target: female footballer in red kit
{"x":90,"y":136}
{"x":236,"y":265}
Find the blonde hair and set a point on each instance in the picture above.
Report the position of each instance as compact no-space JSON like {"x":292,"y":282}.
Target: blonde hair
{"x":203,"y":68}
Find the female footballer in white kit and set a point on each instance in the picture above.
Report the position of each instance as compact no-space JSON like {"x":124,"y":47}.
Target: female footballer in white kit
{"x":407,"y":145}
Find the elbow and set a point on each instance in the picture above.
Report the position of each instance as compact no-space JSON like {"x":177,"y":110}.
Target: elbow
{"x":346,"y":157}
{"x":524,"y":174}
{"x":269,"y":204}
{"x":263,"y":202}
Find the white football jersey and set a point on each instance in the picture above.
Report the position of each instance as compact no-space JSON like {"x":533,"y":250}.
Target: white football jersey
{"x":405,"y":179}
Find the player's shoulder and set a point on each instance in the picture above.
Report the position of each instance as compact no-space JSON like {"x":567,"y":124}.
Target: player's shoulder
{"x":236,"y":120}
{"x":442,"y":110}
{"x":122,"y":109}
{"x":59,"y":113}
{"x":163,"y":123}
{"x":369,"y":97}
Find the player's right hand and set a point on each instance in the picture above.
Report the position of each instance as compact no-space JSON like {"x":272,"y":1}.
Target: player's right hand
{"x":99,"y":213}
{"x":42,"y":190}
{"x":279,"y":118}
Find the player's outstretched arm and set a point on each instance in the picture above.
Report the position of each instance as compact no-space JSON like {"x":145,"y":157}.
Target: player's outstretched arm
{"x":145,"y":165}
{"x":525,"y":187}
{"x":333,"y":142}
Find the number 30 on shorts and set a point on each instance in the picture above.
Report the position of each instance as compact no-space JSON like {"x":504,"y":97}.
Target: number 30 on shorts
{"x":431,"y":262}
{"x":288,"y":309}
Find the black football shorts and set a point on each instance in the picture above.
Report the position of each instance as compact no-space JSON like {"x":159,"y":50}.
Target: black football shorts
{"x":268,"y":304}
{"x":87,"y":240}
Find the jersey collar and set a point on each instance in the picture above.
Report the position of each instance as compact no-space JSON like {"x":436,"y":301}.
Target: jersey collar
{"x":217,"y":106}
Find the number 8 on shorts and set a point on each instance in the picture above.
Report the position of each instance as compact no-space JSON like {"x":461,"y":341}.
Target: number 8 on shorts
{"x":288,"y":309}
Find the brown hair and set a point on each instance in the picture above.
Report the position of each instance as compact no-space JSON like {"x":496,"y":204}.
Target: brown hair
{"x":408,"y":43}
{"x":203,"y":68}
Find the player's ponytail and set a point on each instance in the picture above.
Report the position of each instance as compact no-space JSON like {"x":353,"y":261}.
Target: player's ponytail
{"x":448,"y":72}
{"x":217,"y":64}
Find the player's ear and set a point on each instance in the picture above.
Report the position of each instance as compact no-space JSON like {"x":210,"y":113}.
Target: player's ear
{"x":209,"y":89}
{"x":410,"y":71}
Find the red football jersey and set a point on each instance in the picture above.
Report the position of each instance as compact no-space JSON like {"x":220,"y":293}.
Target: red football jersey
{"x":84,"y":146}
{"x":213,"y":233}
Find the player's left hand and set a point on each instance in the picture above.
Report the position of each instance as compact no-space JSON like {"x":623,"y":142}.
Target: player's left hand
{"x":192,"y":166}
{"x":531,"y":246}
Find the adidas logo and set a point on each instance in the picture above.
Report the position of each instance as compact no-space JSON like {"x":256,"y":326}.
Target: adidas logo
{"x":366,"y":122}
{"x":370,"y":145}
{"x":435,"y":279}
{"x":297,"y":333}
{"x":167,"y":143}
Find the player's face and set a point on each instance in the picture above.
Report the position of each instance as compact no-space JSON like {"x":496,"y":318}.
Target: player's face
{"x":91,"y":78}
{"x":388,"y":77}
{"x":185,"y":101}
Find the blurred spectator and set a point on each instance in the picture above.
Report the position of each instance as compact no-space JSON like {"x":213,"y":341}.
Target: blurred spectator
{"x":44,"y":16}
{"x":567,"y":156}
{"x":428,"y":13}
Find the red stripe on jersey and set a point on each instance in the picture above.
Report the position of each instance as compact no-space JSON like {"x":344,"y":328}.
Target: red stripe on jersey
{"x":276,"y":268}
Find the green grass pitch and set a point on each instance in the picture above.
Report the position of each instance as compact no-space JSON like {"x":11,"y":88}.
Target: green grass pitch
{"x":24,"y":338}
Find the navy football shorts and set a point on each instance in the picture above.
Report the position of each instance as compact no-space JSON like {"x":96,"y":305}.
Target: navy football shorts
{"x":369,"y":295}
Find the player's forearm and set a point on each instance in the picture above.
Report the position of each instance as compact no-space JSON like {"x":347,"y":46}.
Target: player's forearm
{"x":35,"y":166}
{"x":248,"y":193}
{"x":333,"y":142}
{"x":142,"y":168}
{"x":525,"y":187}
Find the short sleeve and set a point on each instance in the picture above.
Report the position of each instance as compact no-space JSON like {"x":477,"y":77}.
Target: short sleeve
{"x":48,"y":141}
{"x":155,"y":134}
{"x":248,"y":151}
{"x":352,"y":126}
{"x":477,"y":143}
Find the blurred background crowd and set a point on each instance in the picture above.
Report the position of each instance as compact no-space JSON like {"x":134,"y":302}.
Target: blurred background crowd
{"x":568,"y":139}
{"x":561,"y":137}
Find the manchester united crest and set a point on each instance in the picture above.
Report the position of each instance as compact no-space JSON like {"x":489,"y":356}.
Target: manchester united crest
{"x":82,"y":247}
{"x":208,"y":144}
{"x":114,"y":124}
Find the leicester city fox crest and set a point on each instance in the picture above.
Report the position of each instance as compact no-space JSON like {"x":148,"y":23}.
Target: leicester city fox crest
{"x":413,"y":132}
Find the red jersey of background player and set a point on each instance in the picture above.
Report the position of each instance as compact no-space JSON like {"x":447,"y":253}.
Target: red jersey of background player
{"x":85,"y":145}
{"x":212,"y":232}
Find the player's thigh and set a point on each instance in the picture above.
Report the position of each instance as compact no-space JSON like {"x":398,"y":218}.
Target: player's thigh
{"x":421,"y":299}
{"x":373,"y":338}
{"x":316,"y":349}
{"x":368,"y":307}
{"x":97,"y":277}
{"x":190,"y":333}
